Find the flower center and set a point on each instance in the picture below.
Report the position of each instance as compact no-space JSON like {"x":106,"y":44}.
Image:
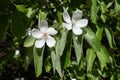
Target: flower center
{"x":73,"y":22}
{"x":44,"y":35}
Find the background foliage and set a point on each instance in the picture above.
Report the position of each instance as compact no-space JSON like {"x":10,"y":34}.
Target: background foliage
{"x":94,"y":55}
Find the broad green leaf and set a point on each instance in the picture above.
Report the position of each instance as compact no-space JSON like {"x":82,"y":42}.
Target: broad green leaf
{"x":3,"y":25}
{"x":61,"y":43}
{"x":92,"y":77}
{"x":103,"y":7}
{"x":94,"y":11}
{"x":29,"y":41}
{"x":53,"y":57}
{"x":99,"y":32}
{"x":38,"y":60}
{"x":28,"y":58}
{"x":92,"y":39}
{"x":78,"y":48}
{"x":110,"y":38}
{"x":117,"y":6}
{"x":58,"y":65}
{"x":90,"y":59}
{"x":103,"y":57}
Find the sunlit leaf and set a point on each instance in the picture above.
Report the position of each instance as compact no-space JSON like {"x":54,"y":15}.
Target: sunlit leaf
{"x":91,"y":55}
{"x":29,"y":41}
{"x":92,"y":39}
{"x":117,"y":6}
{"x":103,"y":56}
{"x":99,"y":32}
{"x":110,"y":37}
{"x":94,"y":11}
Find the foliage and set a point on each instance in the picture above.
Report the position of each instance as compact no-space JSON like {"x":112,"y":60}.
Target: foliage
{"x":93,"y":55}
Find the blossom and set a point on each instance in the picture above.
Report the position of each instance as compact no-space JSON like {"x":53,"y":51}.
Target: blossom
{"x":44,"y":35}
{"x":76,"y":23}
{"x":73,"y":79}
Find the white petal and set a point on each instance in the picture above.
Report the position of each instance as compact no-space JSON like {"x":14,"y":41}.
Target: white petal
{"x":39,"y":43}
{"x":77,"y":15}
{"x":43,"y":29}
{"x":77,"y":30}
{"x":81,"y":23}
{"x":36,"y":33}
{"x":66,"y":17}
{"x":68,"y":26}
{"x":51,"y":31}
{"x":43,"y":23}
{"x":50,"y":41}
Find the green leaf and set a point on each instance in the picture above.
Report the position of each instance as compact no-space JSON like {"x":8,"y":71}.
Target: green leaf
{"x":29,"y":41}
{"x":103,"y":17}
{"x":20,"y":8}
{"x":53,"y":57}
{"x":117,"y":6}
{"x":90,"y":59}
{"x":78,"y":48}
{"x":110,"y":37}
{"x":58,"y":65}
{"x":59,"y":14}
{"x":61,"y":43}
{"x":47,"y":64}
{"x":94,"y":11}
{"x":103,"y":7}
{"x":103,"y":57}
{"x":92,"y":39}
{"x":99,"y":32}
{"x":38,"y":60}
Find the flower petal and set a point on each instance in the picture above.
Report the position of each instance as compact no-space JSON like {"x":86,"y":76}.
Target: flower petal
{"x":81,"y":23}
{"x":77,"y":30}
{"x":36,"y":33}
{"x":68,"y":26}
{"x":50,"y":41}
{"x":43,"y":23}
{"x":77,"y":15}
{"x":66,"y":17}
{"x":39,"y":43}
{"x":51,"y":31}
{"x":43,"y":29}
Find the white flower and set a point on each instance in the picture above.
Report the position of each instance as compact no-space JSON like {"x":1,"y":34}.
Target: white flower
{"x":43,"y":35}
{"x":17,"y":52}
{"x":73,"y":79}
{"x":76,"y":23}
